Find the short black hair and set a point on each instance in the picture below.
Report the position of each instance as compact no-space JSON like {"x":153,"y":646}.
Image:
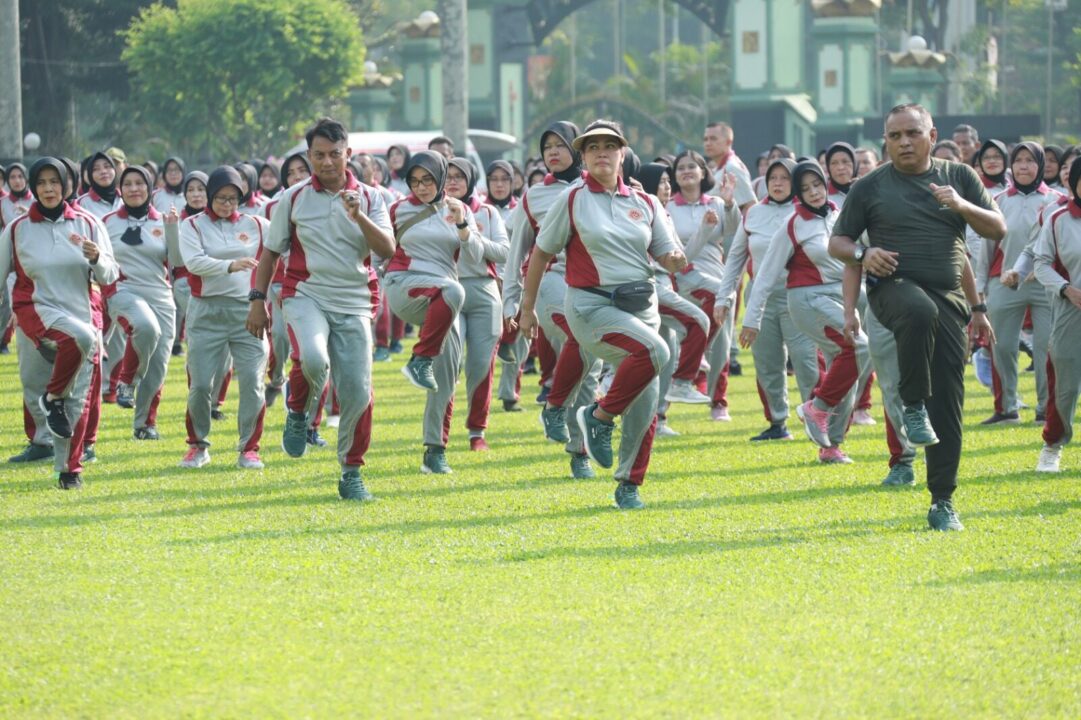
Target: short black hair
{"x":948,"y":145}
{"x":328,"y":128}
{"x":440,"y":140}
{"x":906,"y":107}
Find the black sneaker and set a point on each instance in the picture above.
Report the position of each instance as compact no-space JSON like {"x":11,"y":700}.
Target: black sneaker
{"x":511,"y":406}
{"x":4,"y":349}
{"x":217,"y":414}
{"x":147,"y":433}
{"x":1040,"y":418}
{"x":542,"y":397}
{"x":90,"y":455}
{"x":125,"y":396}
{"x":315,"y":439}
{"x":734,"y":368}
{"x":1010,"y":418}
{"x":69,"y":481}
{"x":178,"y":351}
{"x":56,"y":416}
{"x":776,"y":431}
{"x":530,"y":367}
{"x":271,"y":395}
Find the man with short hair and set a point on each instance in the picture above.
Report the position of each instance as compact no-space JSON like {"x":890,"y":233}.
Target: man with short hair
{"x":442,"y":145}
{"x":866,"y":161}
{"x":717,"y":143}
{"x":920,"y":285}
{"x":329,"y":224}
{"x":968,"y":141}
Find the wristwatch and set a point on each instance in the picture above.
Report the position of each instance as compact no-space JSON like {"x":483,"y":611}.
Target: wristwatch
{"x":979,"y":307}
{"x":858,"y":254}
{"x":1062,"y":290}
{"x":461,"y":225}
{"x":256,"y":295}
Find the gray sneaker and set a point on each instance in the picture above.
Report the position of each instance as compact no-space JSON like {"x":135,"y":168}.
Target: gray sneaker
{"x":627,"y":497}
{"x":918,"y":426}
{"x":581,"y":469}
{"x":33,"y":453}
{"x":597,"y":436}
{"x":351,"y":487}
{"x":295,"y":434}
{"x":554,"y":420}
{"x":435,"y":462}
{"x":125,"y":396}
{"x":943,"y":517}
{"x":900,"y":475}
{"x":419,"y":372}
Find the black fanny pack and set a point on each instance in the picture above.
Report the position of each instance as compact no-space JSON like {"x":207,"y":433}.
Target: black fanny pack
{"x":631,"y":297}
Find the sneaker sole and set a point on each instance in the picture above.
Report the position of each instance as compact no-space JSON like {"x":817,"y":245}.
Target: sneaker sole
{"x":923,"y":444}
{"x":428,"y":471}
{"x":807,"y":425}
{"x":414,"y":382}
{"x":687,"y":401}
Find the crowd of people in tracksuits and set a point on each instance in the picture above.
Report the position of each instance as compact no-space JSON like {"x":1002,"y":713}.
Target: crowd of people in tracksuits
{"x":618,"y":281}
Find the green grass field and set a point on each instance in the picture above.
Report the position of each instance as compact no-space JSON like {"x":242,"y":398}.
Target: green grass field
{"x":755,"y":584}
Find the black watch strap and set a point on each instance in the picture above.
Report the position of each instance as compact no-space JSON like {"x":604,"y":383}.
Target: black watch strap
{"x":1062,"y":290}
{"x":979,"y":307}
{"x":461,"y":225}
{"x":256,"y":295}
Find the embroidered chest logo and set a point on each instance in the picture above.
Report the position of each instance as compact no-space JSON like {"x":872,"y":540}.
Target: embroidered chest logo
{"x":635,"y":214}
{"x":75,"y":239}
{"x":156,"y":232}
{"x":244,"y":237}
{"x":450,"y":219}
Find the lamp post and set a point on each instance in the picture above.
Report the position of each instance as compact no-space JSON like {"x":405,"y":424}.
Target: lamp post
{"x":1052,"y":7}
{"x":11,"y":112}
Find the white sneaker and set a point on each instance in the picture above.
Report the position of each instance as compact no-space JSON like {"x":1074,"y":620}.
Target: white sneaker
{"x":196,"y":457}
{"x":683,"y":391}
{"x":862,"y":417}
{"x":333,"y":420}
{"x":1049,"y":459}
{"x":665,"y":430}
{"x":249,"y":461}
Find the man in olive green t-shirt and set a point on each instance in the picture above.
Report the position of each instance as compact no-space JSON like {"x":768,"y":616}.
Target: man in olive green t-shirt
{"x":920,"y":284}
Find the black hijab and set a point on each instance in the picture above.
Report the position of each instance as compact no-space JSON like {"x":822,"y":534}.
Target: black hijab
{"x":1075,"y":177}
{"x":303,"y":157}
{"x":137,"y":211}
{"x":851,"y":152}
{"x":107,"y":193}
{"x":251,"y":175}
{"x":786,"y":152}
{"x":177,"y":189}
{"x":277,"y":168}
{"x":507,"y":168}
{"x":220,"y":178}
{"x":789,"y":165}
{"x":73,"y":172}
{"x":813,"y":168}
{"x":650,"y":176}
{"x":998,"y":178}
{"x":1037,"y":154}
{"x":631,"y":164}
{"x":567,"y":132}
{"x":26,"y":191}
{"x":435,"y":164}
{"x":201,"y":177}
{"x":383,"y":168}
{"x":153,"y":169}
{"x":1056,"y":151}
{"x":467,"y":169}
{"x":32,"y":185}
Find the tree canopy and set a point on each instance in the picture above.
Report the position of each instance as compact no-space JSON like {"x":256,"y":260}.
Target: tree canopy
{"x":242,"y":77}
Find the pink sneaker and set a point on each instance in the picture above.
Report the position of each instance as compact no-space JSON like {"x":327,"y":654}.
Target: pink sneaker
{"x":862,"y":417}
{"x":249,"y":461}
{"x":478,"y":444}
{"x":720,"y":412}
{"x":815,"y":423}
{"x":833,"y":456}
{"x":196,"y":457}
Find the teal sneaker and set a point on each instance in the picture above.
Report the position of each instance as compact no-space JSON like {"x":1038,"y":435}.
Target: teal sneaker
{"x":943,"y":517}
{"x":419,"y":372}
{"x":597,"y":436}
{"x":918,"y":426}
{"x":33,"y":453}
{"x":900,"y":475}
{"x":351,"y":487}
{"x":381,"y":354}
{"x":581,"y":469}
{"x":295,"y":434}
{"x":435,"y":461}
{"x":554,"y":420}
{"x":627,"y":497}
{"x":90,"y":455}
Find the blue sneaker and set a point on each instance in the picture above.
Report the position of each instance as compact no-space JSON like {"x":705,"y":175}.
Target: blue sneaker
{"x":627,"y":497}
{"x":554,"y":421}
{"x":435,"y":462}
{"x":900,"y":475}
{"x":581,"y":469}
{"x":419,"y":372}
{"x":315,"y":439}
{"x":295,"y":434}
{"x":351,"y":487}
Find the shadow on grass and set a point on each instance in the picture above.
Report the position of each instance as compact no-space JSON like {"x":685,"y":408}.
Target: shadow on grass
{"x":1059,"y":572}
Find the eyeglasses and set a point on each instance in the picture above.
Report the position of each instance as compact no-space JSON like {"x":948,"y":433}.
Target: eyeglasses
{"x":493,"y":179}
{"x":425,"y":181}
{"x":227,"y":199}
{"x":455,"y":177}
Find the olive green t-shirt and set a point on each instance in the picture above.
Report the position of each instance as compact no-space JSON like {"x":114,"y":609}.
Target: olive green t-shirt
{"x":900,"y":213}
